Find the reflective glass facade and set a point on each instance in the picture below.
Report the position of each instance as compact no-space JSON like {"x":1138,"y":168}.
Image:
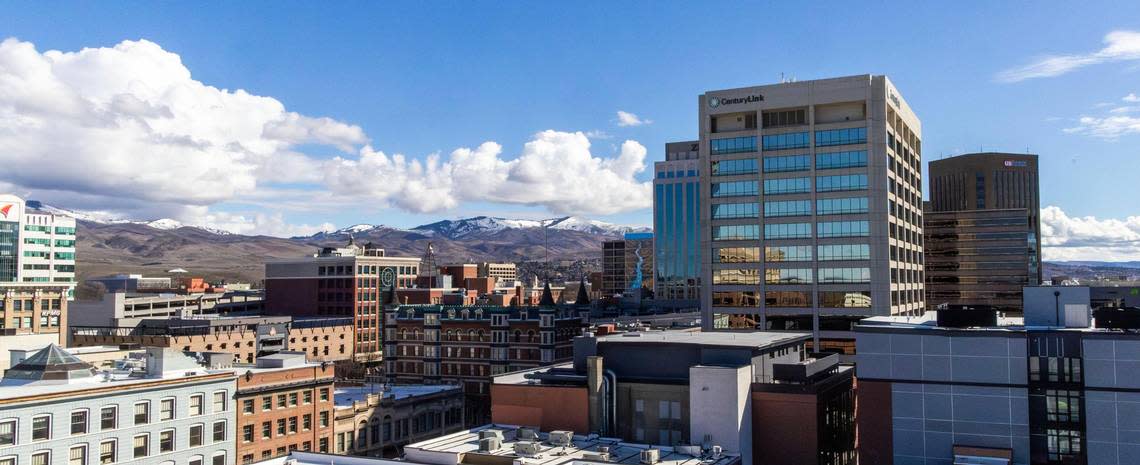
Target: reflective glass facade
{"x":676,"y":220}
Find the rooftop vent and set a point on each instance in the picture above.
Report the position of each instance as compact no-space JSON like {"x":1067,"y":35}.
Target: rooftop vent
{"x":561,"y":438}
{"x":491,"y":433}
{"x":490,"y":444}
{"x":650,"y":456}
{"x":527,"y":448}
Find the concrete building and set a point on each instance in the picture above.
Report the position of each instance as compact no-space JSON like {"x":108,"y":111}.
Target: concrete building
{"x":627,"y":266}
{"x":246,"y":338}
{"x":676,"y":224}
{"x":286,"y":405}
{"x":379,"y":420}
{"x":810,"y":206}
{"x":56,"y":409}
{"x":466,"y":346}
{"x":346,"y":282}
{"x":505,"y":273}
{"x":982,"y":230}
{"x":756,"y":394}
{"x":127,"y":309}
{"x":967,"y":387}
{"x":36,"y":245}
{"x":509,"y":444}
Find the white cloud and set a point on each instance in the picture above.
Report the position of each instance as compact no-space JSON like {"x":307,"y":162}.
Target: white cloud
{"x":127,"y":131}
{"x":1108,"y":127}
{"x":625,"y":118}
{"x":1088,"y":238}
{"x":555,"y":170}
{"x":1119,"y":46}
{"x":1132,"y":97}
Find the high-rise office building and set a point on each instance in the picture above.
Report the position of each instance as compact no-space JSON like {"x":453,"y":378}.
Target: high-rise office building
{"x":36,"y":245}
{"x":810,"y":205}
{"x":627,"y":265}
{"x":982,"y":230}
{"x":676,"y":224}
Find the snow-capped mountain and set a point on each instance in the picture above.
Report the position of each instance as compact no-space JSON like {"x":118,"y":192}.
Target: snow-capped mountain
{"x":165,"y":224}
{"x":483,"y":225}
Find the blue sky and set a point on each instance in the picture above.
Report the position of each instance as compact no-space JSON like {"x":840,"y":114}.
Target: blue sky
{"x":427,"y":78}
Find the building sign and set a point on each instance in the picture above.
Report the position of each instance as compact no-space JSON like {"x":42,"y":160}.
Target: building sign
{"x":387,"y":278}
{"x":6,"y":209}
{"x":894,"y":98}
{"x":1016,"y":163}
{"x":716,"y":102}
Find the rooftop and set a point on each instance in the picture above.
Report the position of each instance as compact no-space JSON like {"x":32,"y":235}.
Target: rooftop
{"x":345,"y":396}
{"x":754,"y":339}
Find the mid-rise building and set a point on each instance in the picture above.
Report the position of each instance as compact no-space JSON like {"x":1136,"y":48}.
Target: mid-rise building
{"x":379,"y":420}
{"x":346,"y":282}
{"x":983,"y":230}
{"x":127,"y":309}
{"x":434,"y":344}
{"x":36,"y":245}
{"x":286,"y":404}
{"x":964,"y":386}
{"x":505,"y":273}
{"x":676,"y":224}
{"x":627,"y":266}
{"x":56,"y":409}
{"x":811,"y":205}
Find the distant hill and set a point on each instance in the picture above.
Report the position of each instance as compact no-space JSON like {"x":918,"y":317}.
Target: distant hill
{"x":154,"y":247}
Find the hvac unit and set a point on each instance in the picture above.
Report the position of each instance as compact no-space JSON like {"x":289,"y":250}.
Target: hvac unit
{"x":490,"y":444}
{"x":694,"y":451}
{"x":561,"y":438}
{"x":491,"y":433}
{"x":650,"y":456}
{"x":527,"y":449}
{"x":717,"y":451}
{"x":596,"y":457}
{"x":527,"y":434}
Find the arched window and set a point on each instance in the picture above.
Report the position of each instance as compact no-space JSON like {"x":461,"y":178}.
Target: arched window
{"x":374,"y":432}
{"x":530,"y":336}
{"x":387,"y":428}
{"x":362,"y":435}
{"x":517,"y":335}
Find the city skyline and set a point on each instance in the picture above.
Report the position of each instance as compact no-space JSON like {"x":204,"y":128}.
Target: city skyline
{"x":303,"y":120}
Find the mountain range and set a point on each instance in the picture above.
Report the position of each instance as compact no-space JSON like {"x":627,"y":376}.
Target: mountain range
{"x":154,"y":247}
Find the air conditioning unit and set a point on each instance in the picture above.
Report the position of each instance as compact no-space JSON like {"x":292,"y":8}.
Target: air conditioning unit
{"x":527,"y":434}
{"x":717,"y":451}
{"x":527,"y":449}
{"x":490,"y":444}
{"x":596,"y":457}
{"x":650,"y":456}
{"x":491,"y":433}
{"x":561,"y":438}
{"x":694,"y":451}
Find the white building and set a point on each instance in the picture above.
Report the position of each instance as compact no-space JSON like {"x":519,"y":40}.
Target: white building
{"x":36,"y":246}
{"x":57,"y":409}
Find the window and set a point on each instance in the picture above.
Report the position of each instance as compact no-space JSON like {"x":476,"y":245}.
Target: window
{"x":733,"y":145}
{"x":844,"y":252}
{"x":787,"y":208}
{"x":787,"y":299}
{"x":735,"y":299}
{"x":844,"y":275}
{"x":41,"y":458}
{"x":141,"y":445}
{"x":324,"y":419}
{"x":324,"y":394}
{"x":247,"y":433}
{"x":736,"y":232}
{"x":736,"y":255}
{"x":107,"y":451}
{"x":1062,"y":444}
{"x":196,"y":402}
{"x":735,"y":276}
{"x":8,"y":461}
{"x":219,"y":431}
{"x":280,"y":426}
{"x":281,"y":402}
{"x":292,"y":399}
{"x":734,"y":167}
{"x":841,"y":206}
{"x":307,"y":422}
{"x":840,"y":137}
{"x":195,"y":435}
{"x":787,"y":186}
{"x":787,"y":253}
{"x":793,"y":140}
{"x":219,"y":458}
{"x":831,"y":160}
{"x":266,"y":403}
{"x":266,"y":430}
{"x":219,"y":401}
{"x":787,"y":276}
{"x":79,"y":422}
{"x":108,"y":418}
{"x":772,"y":119}
{"x":787,"y":163}
{"x":292,"y":425}
{"x":847,"y":182}
{"x":247,"y":406}
{"x":787,"y":231}
{"x":166,"y":409}
{"x":307,"y":397}
{"x":41,"y":428}
{"x":196,"y":460}
{"x":845,"y":299}
{"x":843,"y":229}
{"x":77,"y":455}
{"x":7,"y":432}
{"x":166,"y":441}
{"x":733,"y":189}
{"x":142,"y":413}
{"x":721,"y":211}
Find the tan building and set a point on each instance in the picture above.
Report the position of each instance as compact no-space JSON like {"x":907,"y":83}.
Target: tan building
{"x":128,"y":308}
{"x":377,"y":420}
{"x":506,"y":273}
{"x":285,"y":404}
{"x":33,"y":308}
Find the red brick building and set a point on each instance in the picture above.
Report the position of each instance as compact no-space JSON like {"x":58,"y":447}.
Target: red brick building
{"x":284,"y":404}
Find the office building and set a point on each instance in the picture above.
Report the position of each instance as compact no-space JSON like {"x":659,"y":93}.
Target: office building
{"x":36,"y":245}
{"x":127,"y":309}
{"x":377,"y":420}
{"x":509,"y":444}
{"x":505,"y":273}
{"x":810,"y":205}
{"x":982,"y":231}
{"x":434,"y":344}
{"x":756,"y":394}
{"x":964,"y":386}
{"x":676,"y":224}
{"x":56,"y":409}
{"x":627,"y":266}
{"x":346,"y":282}
{"x":286,"y":404}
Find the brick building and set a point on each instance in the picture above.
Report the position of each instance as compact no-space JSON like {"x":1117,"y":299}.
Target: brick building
{"x":285,"y":405}
{"x":377,"y":420}
{"x":433,"y":344}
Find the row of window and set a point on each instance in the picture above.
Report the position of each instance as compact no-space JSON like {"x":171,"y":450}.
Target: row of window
{"x":838,"y":206}
{"x":109,"y":418}
{"x":792,"y":299}
{"x":792,"y":253}
{"x":677,"y":174}
{"x":140,"y":447}
{"x":792,"y":140}
{"x":751,"y":276}
{"x":733,"y":145}
{"x":847,"y":182}
{"x":283,"y":400}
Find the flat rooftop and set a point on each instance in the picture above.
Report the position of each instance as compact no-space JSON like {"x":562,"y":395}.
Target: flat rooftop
{"x":753,"y":339}
{"x":463,"y":448}
{"x":344,"y":396}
